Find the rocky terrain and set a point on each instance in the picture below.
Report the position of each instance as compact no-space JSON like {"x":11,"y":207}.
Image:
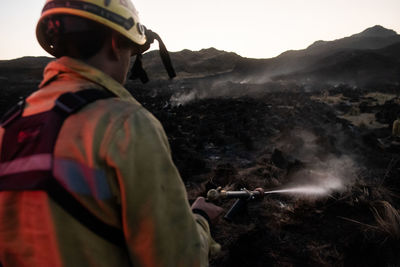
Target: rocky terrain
{"x":316,"y":120}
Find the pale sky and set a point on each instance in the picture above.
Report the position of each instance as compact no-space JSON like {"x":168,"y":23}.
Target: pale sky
{"x":252,"y":28}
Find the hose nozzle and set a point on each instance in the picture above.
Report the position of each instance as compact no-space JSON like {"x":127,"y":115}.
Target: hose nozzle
{"x":214,"y":194}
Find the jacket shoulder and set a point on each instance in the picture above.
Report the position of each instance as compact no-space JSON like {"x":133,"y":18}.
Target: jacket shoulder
{"x":128,"y":110}
{"x":119,"y":114}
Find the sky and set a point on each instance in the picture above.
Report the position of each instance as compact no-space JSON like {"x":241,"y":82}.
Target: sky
{"x":251,"y":28}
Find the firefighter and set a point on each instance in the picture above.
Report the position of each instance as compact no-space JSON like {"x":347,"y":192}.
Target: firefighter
{"x":86,"y":174}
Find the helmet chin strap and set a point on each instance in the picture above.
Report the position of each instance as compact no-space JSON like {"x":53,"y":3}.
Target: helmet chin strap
{"x":137,"y":69}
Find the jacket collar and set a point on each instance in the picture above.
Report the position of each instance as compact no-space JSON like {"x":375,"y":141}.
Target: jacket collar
{"x":74,"y":67}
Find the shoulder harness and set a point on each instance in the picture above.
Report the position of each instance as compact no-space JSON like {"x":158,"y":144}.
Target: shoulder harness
{"x":26,"y":162}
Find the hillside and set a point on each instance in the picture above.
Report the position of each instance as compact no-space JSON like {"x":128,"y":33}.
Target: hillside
{"x":352,"y":66}
{"x":371,"y":51}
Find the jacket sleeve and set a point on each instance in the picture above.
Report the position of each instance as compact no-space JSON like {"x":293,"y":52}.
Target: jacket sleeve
{"x":158,"y":224}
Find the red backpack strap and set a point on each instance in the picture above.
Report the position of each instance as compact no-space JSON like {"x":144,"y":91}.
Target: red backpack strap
{"x":27,"y":157}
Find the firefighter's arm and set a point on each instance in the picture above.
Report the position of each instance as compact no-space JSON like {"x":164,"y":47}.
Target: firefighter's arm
{"x":159,"y":226}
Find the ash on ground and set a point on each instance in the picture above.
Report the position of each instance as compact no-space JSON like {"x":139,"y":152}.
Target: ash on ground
{"x":267,"y":141}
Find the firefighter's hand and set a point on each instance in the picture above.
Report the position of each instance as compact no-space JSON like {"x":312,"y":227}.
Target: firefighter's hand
{"x":210,"y":209}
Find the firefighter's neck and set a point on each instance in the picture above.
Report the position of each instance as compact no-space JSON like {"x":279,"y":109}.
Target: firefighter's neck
{"x":113,"y":59}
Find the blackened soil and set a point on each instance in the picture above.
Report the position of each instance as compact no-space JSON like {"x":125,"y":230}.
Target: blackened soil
{"x":262,"y":141}
{"x":256,"y":142}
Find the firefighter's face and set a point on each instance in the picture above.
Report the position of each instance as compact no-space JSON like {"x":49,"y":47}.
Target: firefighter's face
{"x":125,"y":56}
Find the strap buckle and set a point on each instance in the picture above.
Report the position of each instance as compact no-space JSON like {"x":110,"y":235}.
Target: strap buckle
{"x":70,"y":103}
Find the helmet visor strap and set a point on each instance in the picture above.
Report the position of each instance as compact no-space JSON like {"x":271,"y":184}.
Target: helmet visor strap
{"x":137,"y":69}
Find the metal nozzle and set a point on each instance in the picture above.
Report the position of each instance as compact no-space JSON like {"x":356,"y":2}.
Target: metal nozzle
{"x":212,"y":195}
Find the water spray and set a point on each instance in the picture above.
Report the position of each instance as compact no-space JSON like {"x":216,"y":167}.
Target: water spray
{"x":309,"y":190}
{"x":244,"y":196}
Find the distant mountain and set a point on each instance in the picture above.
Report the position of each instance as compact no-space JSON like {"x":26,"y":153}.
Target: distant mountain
{"x":354,"y":67}
{"x":371,"y":38}
{"x":357,"y":59}
{"x":25,"y":68}
{"x":376,"y":31}
{"x":25,"y":62}
{"x":193,"y":64}
{"x":371,"y":56}
{"x":295,"y":61}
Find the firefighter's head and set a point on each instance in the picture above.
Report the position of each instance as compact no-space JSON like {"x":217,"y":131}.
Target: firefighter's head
{"x":82,"y":29}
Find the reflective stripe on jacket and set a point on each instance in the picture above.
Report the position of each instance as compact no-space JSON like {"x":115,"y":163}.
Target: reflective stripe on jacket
{"x":114,"y":157}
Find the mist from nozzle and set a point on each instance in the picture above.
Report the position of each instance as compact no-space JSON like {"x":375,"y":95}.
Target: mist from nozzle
{"x":316,"y":184}
{"x":324,"y":173}
{"x":302,"y":190}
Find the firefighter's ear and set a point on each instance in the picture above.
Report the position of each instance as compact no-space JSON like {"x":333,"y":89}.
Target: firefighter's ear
{"x":115,"y":51}
{"x":122,"y":47}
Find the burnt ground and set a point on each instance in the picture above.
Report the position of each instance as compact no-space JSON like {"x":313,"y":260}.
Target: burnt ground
{"x":273,"y":138}
{"x":264,"y":141}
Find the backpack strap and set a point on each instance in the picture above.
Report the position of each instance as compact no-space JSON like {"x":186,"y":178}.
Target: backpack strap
{"x":27,"y":157}
{"x":72,"y":206}
{"x":12,"y":114}
{"x":70,"y":103}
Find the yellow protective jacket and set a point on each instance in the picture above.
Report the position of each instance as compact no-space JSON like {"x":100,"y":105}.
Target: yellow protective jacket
{"x":114,"y":157}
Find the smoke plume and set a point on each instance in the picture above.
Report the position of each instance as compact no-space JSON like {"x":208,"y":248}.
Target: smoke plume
{"x":324,"y":172}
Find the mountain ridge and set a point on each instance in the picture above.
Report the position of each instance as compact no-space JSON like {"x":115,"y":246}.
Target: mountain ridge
{"x":374,"y":44}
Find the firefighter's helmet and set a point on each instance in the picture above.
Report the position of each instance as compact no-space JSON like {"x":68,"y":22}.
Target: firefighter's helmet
{"x":118,"y":15}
